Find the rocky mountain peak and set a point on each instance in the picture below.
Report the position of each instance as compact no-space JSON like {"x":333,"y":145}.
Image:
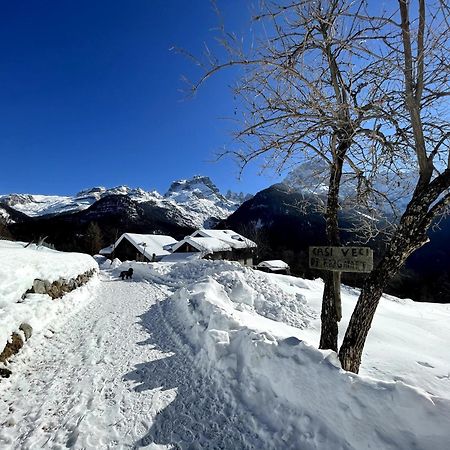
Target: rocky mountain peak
{"x":237,"y":197}
{"x":200,"y":186}
{"x":94,"y":191}
{"x":195,"y":202}
{"x":16,"y":199}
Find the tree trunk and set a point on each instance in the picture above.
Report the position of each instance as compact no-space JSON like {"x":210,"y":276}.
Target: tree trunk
{"x":410,"y":235}
{"x":352,"y":347}
{"x":331,"y":300}
{"x":329,"y":317}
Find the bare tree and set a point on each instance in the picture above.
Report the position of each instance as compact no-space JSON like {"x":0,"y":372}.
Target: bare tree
{"x":418,"y":54}
{"x":327,"y":81}
{"x":310,"y":91}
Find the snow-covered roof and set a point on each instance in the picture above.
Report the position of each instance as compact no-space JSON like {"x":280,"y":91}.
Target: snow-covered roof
{"x":235,"y":240}
{"x":107,"y":250}
{"x":274,"y":264}
{"x":149,"y":244}
{"x":204,"y":244}
{"x":181,"y":257}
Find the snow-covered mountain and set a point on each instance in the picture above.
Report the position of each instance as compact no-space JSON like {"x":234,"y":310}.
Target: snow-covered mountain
{"x":3,"y":214}
{"x":312,"y":179}
{"x":197,"y":200}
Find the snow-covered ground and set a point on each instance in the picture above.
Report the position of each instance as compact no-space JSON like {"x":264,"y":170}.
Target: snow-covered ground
{"x":258,"y":333}
{"x":209,"y":354}
{"x":115,"y":375}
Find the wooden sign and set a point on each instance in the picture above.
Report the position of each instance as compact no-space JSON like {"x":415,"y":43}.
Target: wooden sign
{"x":341,"y":259}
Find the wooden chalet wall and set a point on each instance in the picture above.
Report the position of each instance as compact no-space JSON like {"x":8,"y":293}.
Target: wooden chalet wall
{"x":127,"y":251}
{"x":186,"y":248}
{"x":242,"y":255}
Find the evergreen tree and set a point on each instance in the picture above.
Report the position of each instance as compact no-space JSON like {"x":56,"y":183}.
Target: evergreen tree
{"x":93,"y":238}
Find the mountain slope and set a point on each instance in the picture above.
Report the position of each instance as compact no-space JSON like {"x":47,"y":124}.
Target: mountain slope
{"x":194,"y":203}
{"x":187,"y":205}
{"x":114,"y":215}
{"x":284,"y":228}
{"x":284,"y":223}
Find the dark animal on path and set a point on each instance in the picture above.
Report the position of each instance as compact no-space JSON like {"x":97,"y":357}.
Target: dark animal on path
{"x":126,"y":273}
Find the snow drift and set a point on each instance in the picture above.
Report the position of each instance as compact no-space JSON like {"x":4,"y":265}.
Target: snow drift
{"x":250,"y":330}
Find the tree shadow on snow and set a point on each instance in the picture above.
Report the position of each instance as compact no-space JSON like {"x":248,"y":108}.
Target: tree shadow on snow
{"x":202,"y":416}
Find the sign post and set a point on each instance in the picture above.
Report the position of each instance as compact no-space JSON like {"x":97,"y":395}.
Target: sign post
{"x":341,"y":259}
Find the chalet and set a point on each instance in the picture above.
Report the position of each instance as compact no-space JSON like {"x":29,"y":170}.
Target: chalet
{"x":216,"y":244}
{"x":140,"y":247}
{"x":274,"y":266}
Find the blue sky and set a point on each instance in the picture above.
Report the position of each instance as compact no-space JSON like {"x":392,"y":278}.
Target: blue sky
{"x":90,"y":95}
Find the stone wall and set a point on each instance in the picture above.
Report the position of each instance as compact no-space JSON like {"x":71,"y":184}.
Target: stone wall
{"x":55,"y":290}
{"x":59,"y":287}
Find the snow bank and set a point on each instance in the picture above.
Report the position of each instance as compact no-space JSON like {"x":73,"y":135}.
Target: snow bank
{"x":19,"y":267}
{"x":248,"y":287}
{"x":249,"y":329}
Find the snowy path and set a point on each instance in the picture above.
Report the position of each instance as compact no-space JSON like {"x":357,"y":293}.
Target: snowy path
{"x":116,"y":375}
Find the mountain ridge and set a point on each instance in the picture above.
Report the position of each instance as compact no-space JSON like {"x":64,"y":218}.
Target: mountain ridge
{"x":197,"y":200}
